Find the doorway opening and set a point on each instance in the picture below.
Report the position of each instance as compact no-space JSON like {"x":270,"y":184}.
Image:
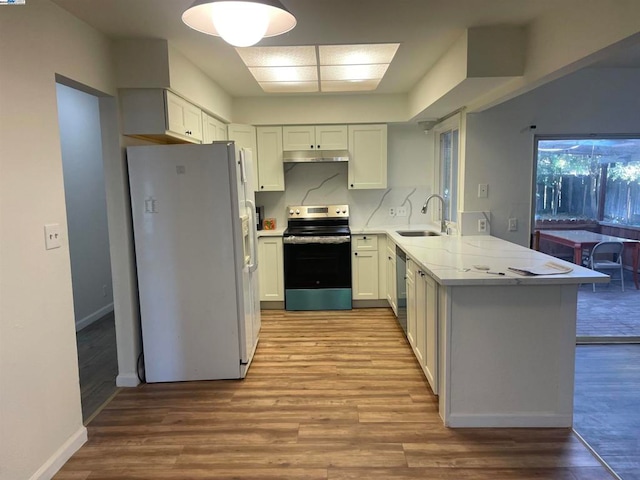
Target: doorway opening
{"x":88,"y":234}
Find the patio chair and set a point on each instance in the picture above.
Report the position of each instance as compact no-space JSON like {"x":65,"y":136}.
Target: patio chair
{"x":607,"y":256}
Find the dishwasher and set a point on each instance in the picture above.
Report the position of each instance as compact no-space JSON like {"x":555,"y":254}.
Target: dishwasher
{"x":401,"y":284}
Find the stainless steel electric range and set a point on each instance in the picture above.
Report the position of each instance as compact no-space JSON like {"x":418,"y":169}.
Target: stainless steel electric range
{"x":317,"y":258}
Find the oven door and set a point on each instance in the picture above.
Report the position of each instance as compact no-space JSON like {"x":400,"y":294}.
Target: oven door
{"x":317,"y":272}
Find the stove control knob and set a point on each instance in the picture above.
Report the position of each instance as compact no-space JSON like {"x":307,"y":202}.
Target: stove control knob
{"x":337,"y":210}
{"x":344,"y":211}
{"x":297,"y":212}
{"x":290,"y":212}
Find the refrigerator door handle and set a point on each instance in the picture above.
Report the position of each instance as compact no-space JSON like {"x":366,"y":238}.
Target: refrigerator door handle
{"x":253,"y":262}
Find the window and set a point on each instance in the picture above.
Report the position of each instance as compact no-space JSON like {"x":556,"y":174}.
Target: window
{"x":447,"y":142}
{"x":594,"y":179}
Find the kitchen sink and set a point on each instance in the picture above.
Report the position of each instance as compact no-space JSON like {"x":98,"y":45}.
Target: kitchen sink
{"x":417,"y":233}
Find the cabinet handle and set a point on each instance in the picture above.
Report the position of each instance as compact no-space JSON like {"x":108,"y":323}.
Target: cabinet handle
{"x":261,"y":186}
{"x":352,"y":185}
{"x":364,"y":238}
{"x":389,"y":258}
{"x":318,"y":147}
{"x":356,"y":254}
{"x":311,"y":146}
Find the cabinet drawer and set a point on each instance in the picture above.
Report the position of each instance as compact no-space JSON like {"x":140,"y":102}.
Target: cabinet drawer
{"x":364,"y":242}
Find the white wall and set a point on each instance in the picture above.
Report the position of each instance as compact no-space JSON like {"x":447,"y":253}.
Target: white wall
{"x":499,"y":151}
{"x":410,"y":180}
{"x":40,"y":414}
{"x":81,"y":144}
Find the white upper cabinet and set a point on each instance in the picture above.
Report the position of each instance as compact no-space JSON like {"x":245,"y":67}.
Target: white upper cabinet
{"x":183,"y":118}
{"x":309,"y":137}
{"x":269,"y":155}
{"x":243,"y":135}
{"x":160,"y":115}
{"x":212,"y":129}
{"x":367,"y":156}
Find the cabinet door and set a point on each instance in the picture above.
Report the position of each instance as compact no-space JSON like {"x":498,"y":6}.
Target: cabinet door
{"x":193,"y":120}
{"x":270,"y":166}
{"x":332,"y":137}
{"x":368,"y":156}
{"x":271,"y":271}
{"x":243,"y":135}
{"x":411,"y":304}
{"x":421,"y":320}
{"x":392,"y":288}
{"x":382,"y":271}
{"x":361,"y":243}
{"x":431,"y":333}
{"x":212,"y":129}
{"x":365,"y":275}
{"x":183,"y":118}
{"x":302,"y":137}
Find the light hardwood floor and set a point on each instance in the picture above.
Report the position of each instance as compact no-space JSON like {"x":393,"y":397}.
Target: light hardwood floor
{"x":330,"y":395}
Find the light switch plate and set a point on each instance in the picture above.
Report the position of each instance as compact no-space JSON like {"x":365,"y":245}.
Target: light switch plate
{"x":52,"y":236}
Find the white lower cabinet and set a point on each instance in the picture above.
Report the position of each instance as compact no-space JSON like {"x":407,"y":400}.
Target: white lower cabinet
{"x":431,"y":353}
{"x":411,"y":303}
{"x":364,"y":267}
{"x":392,"y":287}
{"x":422,"y":321}
{"x":271,"y":269}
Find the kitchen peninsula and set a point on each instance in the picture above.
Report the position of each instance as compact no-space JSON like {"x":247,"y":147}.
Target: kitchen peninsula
{"x":504,"y":346}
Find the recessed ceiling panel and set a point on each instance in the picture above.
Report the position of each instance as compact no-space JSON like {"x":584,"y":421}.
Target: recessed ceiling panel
{"x":278,"y":56}
{"x":349,"y":85}
{"x":284,"y":74}
{"x":353,"y":72}
{"x":289,"y":87}
{"x":357,"y":54}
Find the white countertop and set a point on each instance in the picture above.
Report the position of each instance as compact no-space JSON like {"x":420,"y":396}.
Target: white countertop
{"x":450,"y":260}
{"x":271,"y":233}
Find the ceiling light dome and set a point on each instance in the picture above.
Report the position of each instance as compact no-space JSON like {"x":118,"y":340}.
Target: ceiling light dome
{"x":241,"y":23}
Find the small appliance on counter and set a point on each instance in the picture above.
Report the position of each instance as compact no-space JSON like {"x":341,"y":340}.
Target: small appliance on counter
{"x":317,"y":258}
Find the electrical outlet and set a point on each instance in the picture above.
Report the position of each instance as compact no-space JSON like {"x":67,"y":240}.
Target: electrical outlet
{"x":513,"y":224}
{"x":482,"y":225}
{"x":52,"y":236}
{"x":392,"y":211}
{"x":483,"y":190}
{"x":401,"y":211}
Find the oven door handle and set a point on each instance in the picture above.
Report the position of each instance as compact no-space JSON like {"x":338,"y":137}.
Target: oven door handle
{"x":324,"y":240}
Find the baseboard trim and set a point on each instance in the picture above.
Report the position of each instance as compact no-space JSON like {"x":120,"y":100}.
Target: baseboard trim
{"x":64,"y":453}
{"x":532,"y":420}
{"x":370,"y":304}
{"x":127,"y":380}
{"x":271,"y":305}
{"x":97,"y":315}
{"x":606,"y":340}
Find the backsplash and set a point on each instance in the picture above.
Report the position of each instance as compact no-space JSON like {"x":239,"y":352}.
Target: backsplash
{"x":326,"y":183}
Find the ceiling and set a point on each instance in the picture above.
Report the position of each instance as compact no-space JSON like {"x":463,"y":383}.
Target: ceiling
{"x":424,"y":28}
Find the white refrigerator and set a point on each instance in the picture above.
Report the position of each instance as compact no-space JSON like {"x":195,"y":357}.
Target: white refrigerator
{"x":194,"y":222}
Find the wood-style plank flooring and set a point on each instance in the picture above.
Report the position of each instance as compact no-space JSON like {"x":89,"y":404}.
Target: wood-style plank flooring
{"x":607,"y":404}
{"x":330,"y":395}
{"x":97,"y":363}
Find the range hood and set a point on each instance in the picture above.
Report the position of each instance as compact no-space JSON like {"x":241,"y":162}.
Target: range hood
{"x":306,"y":156}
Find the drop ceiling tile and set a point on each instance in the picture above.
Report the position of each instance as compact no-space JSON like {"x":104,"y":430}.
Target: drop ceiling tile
{"x":349,"y":86}
{"x":353,"y":72}
{"x":278,"y":56}
{"x":289,"y":87}
{"x":357,"y":54}
{"x":284,"y":74}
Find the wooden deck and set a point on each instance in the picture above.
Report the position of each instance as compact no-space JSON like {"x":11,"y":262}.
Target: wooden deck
{"x":330,"y":395}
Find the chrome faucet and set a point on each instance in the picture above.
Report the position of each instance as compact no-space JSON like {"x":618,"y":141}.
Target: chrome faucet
{"x":443,"y":223}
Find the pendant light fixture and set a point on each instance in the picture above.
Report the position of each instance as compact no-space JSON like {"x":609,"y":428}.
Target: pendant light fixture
{"x":241,"y":23}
